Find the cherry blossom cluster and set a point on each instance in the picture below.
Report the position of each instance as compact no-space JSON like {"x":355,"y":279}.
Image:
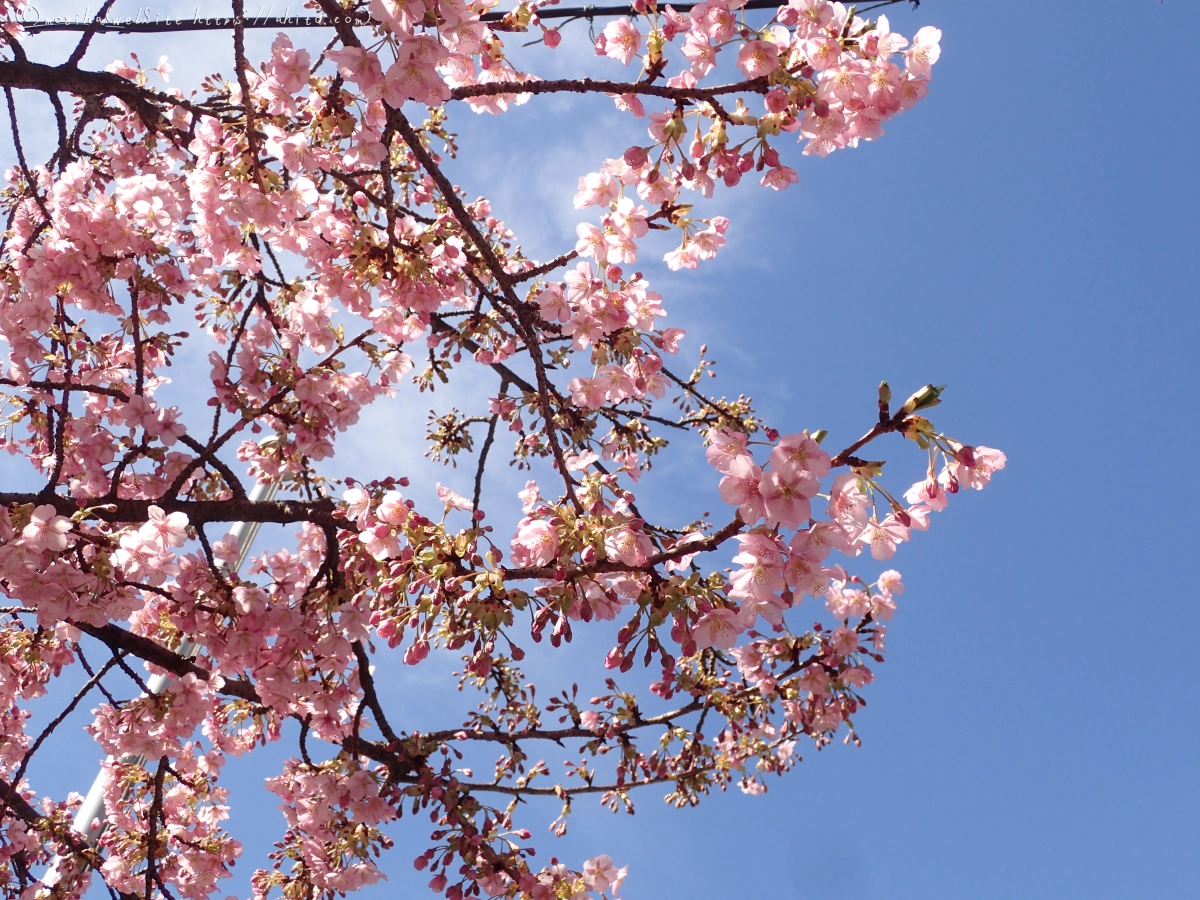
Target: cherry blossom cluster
{"x":293,"y":228}
{"x":822,"y":71}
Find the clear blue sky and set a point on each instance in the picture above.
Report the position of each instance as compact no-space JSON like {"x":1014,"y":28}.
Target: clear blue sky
{"x":1029,"y":236}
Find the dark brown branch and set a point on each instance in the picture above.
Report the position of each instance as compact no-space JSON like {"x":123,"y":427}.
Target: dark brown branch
{"x":679,"y":551}
{"x":65,"y":386}
{"x":441,"y":326}
{"x":118,"y":639}
{"x":601,"y":86}
{"x":846,"y":457}
{"x":224,"y":23}
{"x":240,"y":65}
{"x":483,"y":455}
{"x":71,"y":80}
{"x":558,"y":790}
{"x":13,"y":801}
{"x":368,"y":688}
{"x":279,"y":512}
{"x":538,"y":271}
{"x":81,"y":48}
{"x":558,"y":734}
{"x":60,"y":718}
{"x":152,"y":817}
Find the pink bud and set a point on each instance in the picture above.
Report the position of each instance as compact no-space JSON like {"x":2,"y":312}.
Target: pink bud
{"x":637,"y":156}
{"x":551,"y":37}
{"x":416,"y":653}
{"x":776,"y":100}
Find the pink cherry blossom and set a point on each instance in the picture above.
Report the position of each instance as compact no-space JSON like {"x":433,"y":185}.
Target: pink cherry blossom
{"x":786,"y":492}
{"x":47,"y":530}
{"x":600,"y":874}
{"x":718,"y":628}
{"x":742,"y":488}
{"x":882,"y":537}
{"x":170,"y":530}
{"x":758,"y":58}
{"x":976,"y":466}
{"x":622,"y":40}
{"x":451,"y":499}
{"x":802,"y":451}
{"x":627,"y":546}
{"x":535,"y":544}
{"x":924,"y":52}
{"x":724,"y":447}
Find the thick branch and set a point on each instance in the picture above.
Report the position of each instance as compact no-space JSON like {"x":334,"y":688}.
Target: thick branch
{"x":152,"y":652}
{"x":600,"y":86}
{"x":199,"y":512}
{"x":71,"y":80}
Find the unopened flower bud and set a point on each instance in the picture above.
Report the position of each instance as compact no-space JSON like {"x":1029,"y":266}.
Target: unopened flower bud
{"x":776,"y":100}
{"x":637,"y":156}
{"x":924,"y":398}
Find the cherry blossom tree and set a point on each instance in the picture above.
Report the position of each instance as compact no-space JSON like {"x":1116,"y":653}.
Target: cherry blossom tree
{"x":294,"y":225}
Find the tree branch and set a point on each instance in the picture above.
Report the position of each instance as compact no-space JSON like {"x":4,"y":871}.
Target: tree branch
{"x":279,"y":512}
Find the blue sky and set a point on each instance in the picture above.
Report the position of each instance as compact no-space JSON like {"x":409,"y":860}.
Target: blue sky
{"x":1027,"y":235}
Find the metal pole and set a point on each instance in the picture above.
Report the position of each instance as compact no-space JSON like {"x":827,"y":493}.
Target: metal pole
{"x":89,"y":821}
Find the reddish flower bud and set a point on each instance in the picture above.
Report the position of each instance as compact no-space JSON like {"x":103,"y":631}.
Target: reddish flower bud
{"x":637,"y":156}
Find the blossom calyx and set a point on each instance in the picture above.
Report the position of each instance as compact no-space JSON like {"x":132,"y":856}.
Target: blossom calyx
{"x":919,"y":429}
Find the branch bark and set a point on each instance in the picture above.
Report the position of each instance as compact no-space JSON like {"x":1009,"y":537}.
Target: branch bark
{"x":199,"y":512}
